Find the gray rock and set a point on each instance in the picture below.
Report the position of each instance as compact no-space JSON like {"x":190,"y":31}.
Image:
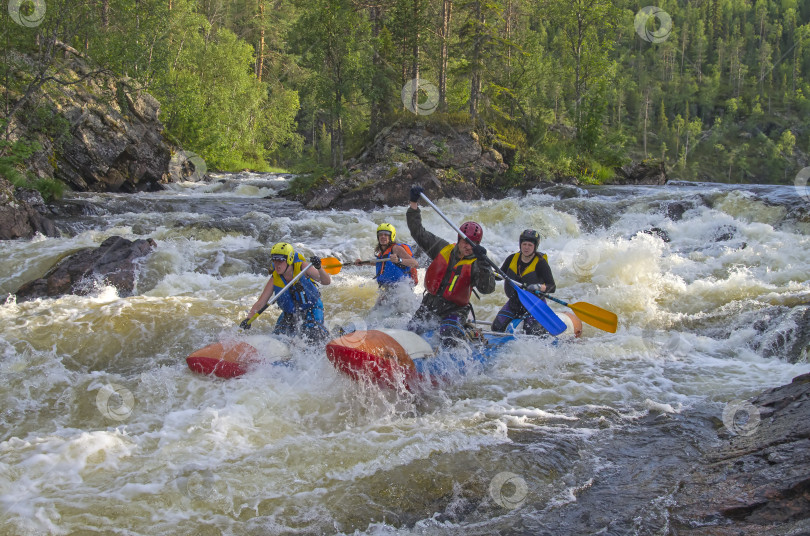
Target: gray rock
{"x":114,"y":263}
{"x":654,"y":173}
{"x":19,"y":214}
{"x":114,"y":140}
{"x":445,"y":160}
{"x":756,"y":482}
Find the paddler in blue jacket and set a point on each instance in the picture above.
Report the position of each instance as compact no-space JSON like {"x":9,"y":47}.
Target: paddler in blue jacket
{"x":449,"y":281}
{"x":398,"y":269}
{"x":530,"y":267}
{"x":301,"y":304}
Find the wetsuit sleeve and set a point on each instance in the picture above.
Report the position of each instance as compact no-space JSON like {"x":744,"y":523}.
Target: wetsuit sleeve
{"x":544,"y":273}
{"x":429,"y":242}
{"x":483,"y":277}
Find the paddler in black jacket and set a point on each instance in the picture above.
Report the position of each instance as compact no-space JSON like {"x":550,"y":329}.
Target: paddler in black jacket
{"x":449,"y":281}
{"x":530,"y":267}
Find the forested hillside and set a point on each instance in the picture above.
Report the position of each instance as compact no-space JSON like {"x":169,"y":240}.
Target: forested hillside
{"x":718,"y":89}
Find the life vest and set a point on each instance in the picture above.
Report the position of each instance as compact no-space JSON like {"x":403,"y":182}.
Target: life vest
{"x":459,"y":283}
{"x":513,"y":264}
{"x":528,"y":271}
{"x":303,"y":295}
{"x":388,"y":272}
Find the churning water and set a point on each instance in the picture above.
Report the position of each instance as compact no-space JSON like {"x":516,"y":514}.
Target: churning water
{"x":103,"y":428}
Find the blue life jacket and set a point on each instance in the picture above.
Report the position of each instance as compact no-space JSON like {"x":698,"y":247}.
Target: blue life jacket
{"x":388,"y":272}
{"x":303,"y":295}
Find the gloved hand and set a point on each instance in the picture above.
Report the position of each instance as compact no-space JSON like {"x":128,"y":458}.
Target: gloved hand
{"x":245,"y":324}
{"x":316,"y":262}
{"x":535,"y":287}
{"x":479,"y":251}
{"x":416,"y":191}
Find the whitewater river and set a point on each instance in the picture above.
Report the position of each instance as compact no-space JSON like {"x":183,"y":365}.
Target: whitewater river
{"x":104,"y":430}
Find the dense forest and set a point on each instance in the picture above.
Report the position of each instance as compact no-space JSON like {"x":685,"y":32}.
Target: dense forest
{"x":718,"y":89}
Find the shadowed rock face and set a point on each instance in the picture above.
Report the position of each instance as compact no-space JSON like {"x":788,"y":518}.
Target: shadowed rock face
{"x":759,"y":483}
{"x":446,"y":161}
{"x":113,"y":140}
{"x":19,"y":213}
{"x":113,"y":262}
{"x":641,"y":173}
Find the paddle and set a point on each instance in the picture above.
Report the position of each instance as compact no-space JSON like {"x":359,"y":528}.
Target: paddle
{"x":331,"y":263}
{"x":534,"y":305}
{"x":590,"y":314}
{"x":245,"y":324}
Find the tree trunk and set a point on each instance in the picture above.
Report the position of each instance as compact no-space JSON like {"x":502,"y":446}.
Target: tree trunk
{"x":444,"y":35}
{"x":646,"y":109}
{"x":375,"y":111}
{"x":475,"y":75}
{"x":415,"y":57}
{"x":337,"y":130}
{"x":105,"y":14}
{"x":260,"y":57}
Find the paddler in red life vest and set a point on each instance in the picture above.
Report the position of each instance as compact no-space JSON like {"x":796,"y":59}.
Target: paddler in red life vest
{"x":399,"y":269}
{"x":301,"y":305}
{"x":449,"y":281}
{"x":530,"y":267}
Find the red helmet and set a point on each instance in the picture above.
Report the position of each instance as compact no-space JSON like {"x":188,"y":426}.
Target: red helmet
{"x":472,"y":230}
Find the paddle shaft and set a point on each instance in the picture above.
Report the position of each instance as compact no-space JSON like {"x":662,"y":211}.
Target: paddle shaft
{"x":248,"y":321}
{"x":332,"y":262}
{"x":467,"y":238}
{"x":547,"y":318}
{"x":590,"y":314}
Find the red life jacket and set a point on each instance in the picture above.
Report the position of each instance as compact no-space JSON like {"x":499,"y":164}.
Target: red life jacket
{"x":459,"y":285}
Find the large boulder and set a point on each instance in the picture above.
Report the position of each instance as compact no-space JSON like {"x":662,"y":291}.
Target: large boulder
{"x":21,"y":213}
{"x":646,"y":172}
{"x":112,"y":140}
{"x":756,"y":481}
{"x":445,"y":160}
{"x":114,"y":263}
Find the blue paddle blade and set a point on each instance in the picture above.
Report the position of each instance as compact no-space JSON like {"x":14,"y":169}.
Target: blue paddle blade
{"x":540,"y":311}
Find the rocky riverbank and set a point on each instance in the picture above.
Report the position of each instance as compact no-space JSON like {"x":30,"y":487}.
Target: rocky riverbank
{"x":448,"y":161}
{"x":102,"y":133}
{"x":757,"y":480}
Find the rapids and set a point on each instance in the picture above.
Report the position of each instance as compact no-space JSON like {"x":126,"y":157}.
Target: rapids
{"x":104,"y":429}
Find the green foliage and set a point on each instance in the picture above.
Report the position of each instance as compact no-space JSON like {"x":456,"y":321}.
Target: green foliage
{"x":569,"y":87}
{"x":306,"y":180}
{"x":12,"y":164}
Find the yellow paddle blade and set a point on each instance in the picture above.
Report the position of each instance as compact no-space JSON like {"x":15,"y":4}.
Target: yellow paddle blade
{"x":595,"y":316}
{"x":331,"y":265}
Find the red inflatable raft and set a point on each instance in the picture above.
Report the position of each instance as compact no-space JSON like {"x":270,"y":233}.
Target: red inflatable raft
{"x":231,"y":358}
{"x":395,"y":357}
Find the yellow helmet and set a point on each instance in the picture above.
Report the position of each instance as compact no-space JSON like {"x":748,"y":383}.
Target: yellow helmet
{"x":283,"y":251}
{"x":388,"y":228}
